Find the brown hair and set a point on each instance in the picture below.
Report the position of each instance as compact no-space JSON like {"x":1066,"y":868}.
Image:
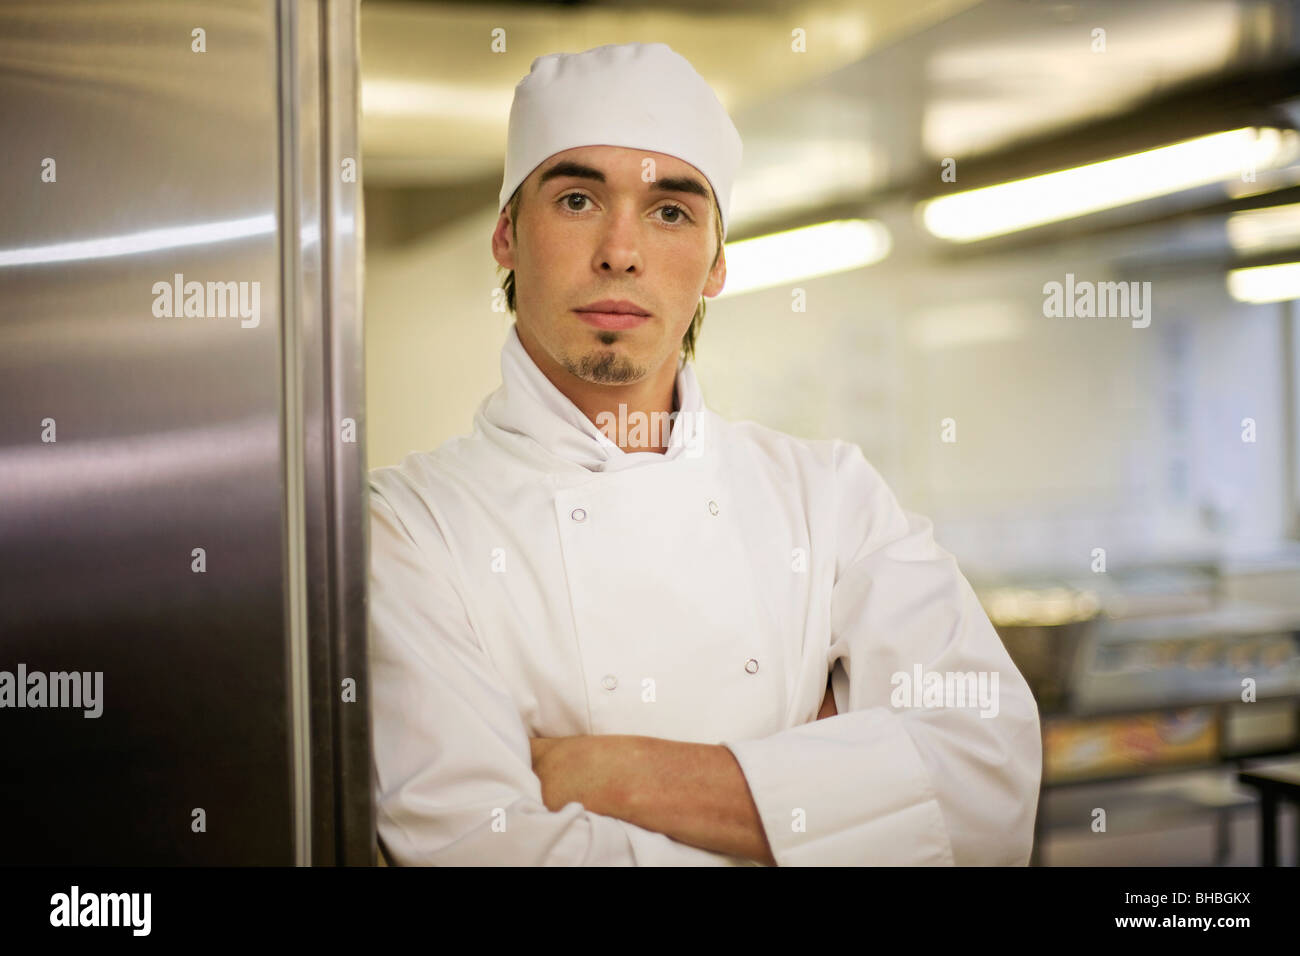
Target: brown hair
{"x":688,"y":340}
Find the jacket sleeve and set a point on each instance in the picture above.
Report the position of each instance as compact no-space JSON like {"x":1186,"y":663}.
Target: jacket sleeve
{"x":887,"y":782}
{"x":453,"y":776}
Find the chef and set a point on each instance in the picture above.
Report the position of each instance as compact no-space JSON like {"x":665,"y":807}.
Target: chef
{"x":595,"y":645}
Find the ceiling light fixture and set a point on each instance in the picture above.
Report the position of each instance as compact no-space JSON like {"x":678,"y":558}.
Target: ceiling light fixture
{"x":804,"y":253}
{"x":1069,"y":193}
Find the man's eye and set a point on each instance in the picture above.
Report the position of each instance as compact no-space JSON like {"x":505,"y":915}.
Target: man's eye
{"x":681,"y":214}
{"x":677,"y":213}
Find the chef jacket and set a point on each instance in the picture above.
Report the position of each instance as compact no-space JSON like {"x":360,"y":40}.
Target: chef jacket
{"x":532,"y":579}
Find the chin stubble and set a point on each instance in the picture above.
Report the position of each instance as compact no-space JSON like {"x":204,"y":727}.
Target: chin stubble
{"x":605,"y":367}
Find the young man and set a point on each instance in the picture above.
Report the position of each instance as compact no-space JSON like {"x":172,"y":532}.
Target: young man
{"x":592,"y":644}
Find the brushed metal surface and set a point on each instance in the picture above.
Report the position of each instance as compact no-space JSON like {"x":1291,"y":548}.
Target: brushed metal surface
{"x":344,"y":226}
{"x":171,"y":435}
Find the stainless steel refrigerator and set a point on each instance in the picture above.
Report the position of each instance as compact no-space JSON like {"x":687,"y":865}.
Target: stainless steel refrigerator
{"x":182,"y":515}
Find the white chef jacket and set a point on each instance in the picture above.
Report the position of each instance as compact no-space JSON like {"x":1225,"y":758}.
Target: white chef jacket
{"x":533,"y":579}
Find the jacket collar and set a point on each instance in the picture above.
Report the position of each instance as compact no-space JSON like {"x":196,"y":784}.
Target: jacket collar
{"x":528,"y":404}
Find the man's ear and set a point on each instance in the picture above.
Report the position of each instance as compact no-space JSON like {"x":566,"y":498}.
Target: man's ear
{"x":503,"y":247}
{"x":717,"y":275}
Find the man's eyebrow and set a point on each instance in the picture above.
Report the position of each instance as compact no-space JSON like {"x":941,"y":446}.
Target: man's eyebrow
{"x":568,"y":168}
{"x":681,"y":184}
{"x":673,"y":184}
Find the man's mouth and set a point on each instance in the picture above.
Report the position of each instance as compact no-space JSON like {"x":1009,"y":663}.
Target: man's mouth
{"x":613,"y":314}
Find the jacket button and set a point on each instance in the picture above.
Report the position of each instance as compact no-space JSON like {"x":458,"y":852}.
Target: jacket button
{"x":578,"y":514}
{"x":713,"y":507}
{"x":609,"y":682}
{"x":751,"y":665}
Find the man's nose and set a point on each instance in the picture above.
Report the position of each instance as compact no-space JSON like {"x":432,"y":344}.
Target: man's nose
{"x":619,"y":249}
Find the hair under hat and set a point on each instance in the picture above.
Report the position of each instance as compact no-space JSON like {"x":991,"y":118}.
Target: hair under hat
{"x":636,"y":95}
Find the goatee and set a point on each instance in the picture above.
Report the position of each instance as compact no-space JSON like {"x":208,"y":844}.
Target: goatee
{"x":605,"y":367}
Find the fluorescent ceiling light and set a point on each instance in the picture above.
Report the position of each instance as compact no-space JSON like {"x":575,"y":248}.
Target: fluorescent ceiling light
{"x":1067,"y":193}
{"x":785,"y":257}
{"x":1263,"y":230}
{"x":1265,"y":283}
{"x":1268,"y":181}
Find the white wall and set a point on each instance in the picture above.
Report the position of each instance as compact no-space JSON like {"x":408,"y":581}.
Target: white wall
{"x":433,"y":343}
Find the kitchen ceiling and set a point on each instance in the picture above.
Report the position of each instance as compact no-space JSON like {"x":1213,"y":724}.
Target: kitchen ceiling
{"x":884,"y":91}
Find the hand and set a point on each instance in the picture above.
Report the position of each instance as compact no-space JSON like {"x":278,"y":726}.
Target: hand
{"x":582,"y":769}
{"x":828,"y":703}
{"x":693,"y":793}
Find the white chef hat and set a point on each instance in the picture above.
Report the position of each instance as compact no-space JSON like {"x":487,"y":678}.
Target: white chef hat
{"x":638,"y":95}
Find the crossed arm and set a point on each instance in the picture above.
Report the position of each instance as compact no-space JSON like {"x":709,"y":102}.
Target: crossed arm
{"x":694,"y":793}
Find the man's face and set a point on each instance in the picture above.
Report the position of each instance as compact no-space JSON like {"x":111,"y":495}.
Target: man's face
{"x":590,"y":229}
